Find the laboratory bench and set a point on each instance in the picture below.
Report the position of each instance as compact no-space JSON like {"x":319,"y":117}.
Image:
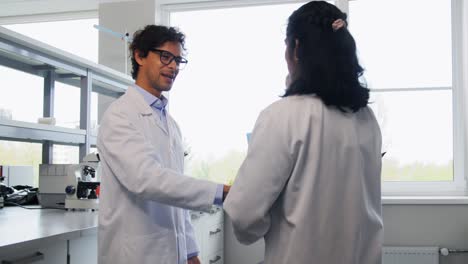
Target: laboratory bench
{"x":47,"y":236}
{"x":57,"y":236}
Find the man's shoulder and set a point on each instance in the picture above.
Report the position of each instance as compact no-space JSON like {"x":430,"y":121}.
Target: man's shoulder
{"x":117,"y":104}
{"x":121,"y":106}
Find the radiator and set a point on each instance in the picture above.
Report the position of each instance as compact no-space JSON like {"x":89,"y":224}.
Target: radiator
{"x":410,"y":255}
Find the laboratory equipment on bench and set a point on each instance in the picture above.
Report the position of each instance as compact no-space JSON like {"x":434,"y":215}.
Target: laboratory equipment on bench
{"x":82,"y":184}
{"x":52,"y":183}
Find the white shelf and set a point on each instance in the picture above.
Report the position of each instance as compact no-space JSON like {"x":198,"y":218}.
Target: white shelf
{"x":30,"y":52}
{"x":31,"y":132}
{"x":28,"y":55}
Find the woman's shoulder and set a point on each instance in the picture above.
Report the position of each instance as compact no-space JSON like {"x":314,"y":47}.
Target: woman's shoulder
{"x":295,"y":102}
{"x":292,"y":107}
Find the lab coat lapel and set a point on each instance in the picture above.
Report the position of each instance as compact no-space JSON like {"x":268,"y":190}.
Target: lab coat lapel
{"x":159,"y":122}
{"x":144,"y":109}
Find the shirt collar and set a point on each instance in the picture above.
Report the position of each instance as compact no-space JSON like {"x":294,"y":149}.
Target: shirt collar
{"x":151,"y":100}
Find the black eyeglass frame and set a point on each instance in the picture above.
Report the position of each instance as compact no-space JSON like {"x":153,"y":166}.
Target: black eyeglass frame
{"x":178,"y":59}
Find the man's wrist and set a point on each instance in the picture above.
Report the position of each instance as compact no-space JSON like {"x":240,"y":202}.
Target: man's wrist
{"x":226,"y":189}
{"x":191,"y":255}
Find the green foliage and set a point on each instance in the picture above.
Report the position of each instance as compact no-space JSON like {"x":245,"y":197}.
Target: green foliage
{"x":222,"y":170}
{"x":21,"y":154}
{"x":392,"y":171}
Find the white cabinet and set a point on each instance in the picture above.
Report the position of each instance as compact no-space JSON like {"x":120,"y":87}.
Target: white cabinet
{"x":209,"y":232}
{"x":216,"y":258}
{"x":214,"y":242}
{"x":84,"y":248}
{"x":48,"y":253}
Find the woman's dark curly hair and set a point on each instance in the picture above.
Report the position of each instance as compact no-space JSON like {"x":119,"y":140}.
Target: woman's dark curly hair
{"x":327,"y":62}
{"x":152,"y":36}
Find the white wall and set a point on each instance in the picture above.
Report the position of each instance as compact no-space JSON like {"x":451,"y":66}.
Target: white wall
{"x":433,"y":225}
{"x":121,"y":17}
{"x":405,"y":225}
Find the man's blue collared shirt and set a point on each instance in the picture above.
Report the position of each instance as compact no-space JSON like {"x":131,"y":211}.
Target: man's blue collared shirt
{"x":157,"y":104}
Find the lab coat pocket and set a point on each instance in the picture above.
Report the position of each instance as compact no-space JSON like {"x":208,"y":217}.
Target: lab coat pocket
{"x":156,"y":248}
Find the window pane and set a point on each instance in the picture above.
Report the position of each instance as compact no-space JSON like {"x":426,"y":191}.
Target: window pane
{"x":403,"y":43}
{"x":417,"y":135}
{"x":20,"y":95}
{"x":21,"y":154}
{"x":67,"y":105}
{"x":233,"y":73}
{"x":78,"y":37}
{"x":65,"y":154}
{"x":75,"y":36}
{"x":94,"y":114}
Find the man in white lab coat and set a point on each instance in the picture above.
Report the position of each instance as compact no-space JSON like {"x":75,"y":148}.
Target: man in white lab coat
{"x":310,"y":184}
{"x":143,"y":216}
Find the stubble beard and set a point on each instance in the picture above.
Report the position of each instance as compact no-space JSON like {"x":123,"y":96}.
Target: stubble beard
{"x":155,"y":85}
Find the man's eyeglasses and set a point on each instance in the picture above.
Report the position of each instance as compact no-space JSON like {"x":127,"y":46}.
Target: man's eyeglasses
{"x":166,"y":58}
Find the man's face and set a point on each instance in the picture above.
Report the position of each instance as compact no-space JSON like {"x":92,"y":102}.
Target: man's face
{"x":156,"y":75}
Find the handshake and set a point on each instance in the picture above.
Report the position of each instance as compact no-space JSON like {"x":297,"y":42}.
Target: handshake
{"x":226,"y":189}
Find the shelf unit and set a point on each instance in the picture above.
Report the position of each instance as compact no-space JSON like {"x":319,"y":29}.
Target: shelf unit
{"x":53,"y":65}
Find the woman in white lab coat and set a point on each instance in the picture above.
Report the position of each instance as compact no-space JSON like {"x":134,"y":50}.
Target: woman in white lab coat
{"x":310,"y":184}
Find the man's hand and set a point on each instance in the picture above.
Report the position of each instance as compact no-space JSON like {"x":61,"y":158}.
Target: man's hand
{"x":193,"y":260}
{"x":226,"y":189}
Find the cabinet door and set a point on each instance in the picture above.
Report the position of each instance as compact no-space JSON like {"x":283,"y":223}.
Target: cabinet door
{"x":199,"y":226}
{"x":214,"y":239}
{"x":84,"y":249}
{"x":51,"y":253}
{"x":215,"y":216}
{"x":209,"y":230}
{"x":216,"y":258}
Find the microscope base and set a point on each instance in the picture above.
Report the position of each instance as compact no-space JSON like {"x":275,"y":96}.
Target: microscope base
{"x":82,"y":204}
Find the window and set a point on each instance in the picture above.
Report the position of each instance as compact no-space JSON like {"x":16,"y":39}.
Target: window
{"x":65,"y":154}
{"x":21,"y":96}
{"x":233,"y":73}
{"x":67,"y":107}
{"x":14,"y":153}
{"x":78,"y":37}
{"x":409,"y":69}
{"x":409,"y":60}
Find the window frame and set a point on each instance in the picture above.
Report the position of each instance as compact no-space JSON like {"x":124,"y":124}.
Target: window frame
{"x":458,"y":185}
{"x":403,"y":188}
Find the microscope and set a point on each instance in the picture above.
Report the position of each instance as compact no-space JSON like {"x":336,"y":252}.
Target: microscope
{"x":82,"y":184}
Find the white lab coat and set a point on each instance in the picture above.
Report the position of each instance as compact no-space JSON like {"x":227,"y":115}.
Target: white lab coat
{"x":143,"y":191}
{"x":310,"y":185}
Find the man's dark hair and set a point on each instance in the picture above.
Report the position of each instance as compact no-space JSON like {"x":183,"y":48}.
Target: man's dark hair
{"x":327,"y":61}
{"x":152,"y":36}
